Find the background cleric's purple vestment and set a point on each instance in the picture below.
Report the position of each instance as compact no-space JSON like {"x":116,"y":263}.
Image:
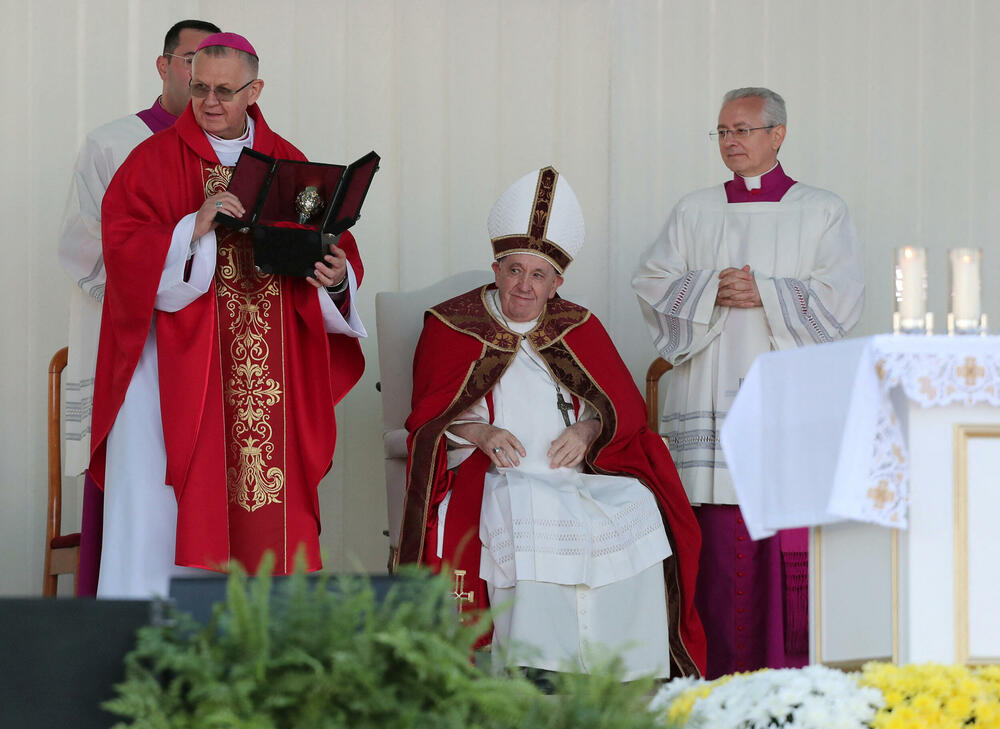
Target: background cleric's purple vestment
{"x":92,"y":517}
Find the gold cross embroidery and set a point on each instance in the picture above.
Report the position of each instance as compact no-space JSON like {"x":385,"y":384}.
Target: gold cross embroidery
{"x":970,"y":371}
{"x":459,"y":591}
{"x":880,"y":495}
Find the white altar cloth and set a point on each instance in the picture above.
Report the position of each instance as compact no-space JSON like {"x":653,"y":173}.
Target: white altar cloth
{"x":815,"y":435}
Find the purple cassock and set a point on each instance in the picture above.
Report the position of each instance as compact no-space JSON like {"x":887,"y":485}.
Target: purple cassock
{"x":753,"y":597}
{"x":92,"y":518}
{"x":156,"y":117}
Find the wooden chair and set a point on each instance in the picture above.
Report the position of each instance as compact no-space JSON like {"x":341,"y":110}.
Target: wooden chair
{"x":657,"y":369}
{"x":62,"y":551}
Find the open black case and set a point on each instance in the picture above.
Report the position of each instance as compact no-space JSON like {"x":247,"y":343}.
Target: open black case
{"x":288,"y":234}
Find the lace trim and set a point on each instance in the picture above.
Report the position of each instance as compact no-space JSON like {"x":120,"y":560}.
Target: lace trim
{"x":930,"y":379}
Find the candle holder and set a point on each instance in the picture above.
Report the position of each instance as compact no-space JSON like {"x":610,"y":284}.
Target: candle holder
{"x":965,"y":313}
{"x":910,"y":315}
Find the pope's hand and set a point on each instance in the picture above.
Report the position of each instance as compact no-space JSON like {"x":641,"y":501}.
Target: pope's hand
{"x":222,"y":202}
{"x":331,"y":270}
{"x":570,"y":447}
{"x":737,"y":289}
{"x":499,"y":444}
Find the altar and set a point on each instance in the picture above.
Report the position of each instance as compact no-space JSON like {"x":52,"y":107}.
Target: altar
{"x":889,"y":448}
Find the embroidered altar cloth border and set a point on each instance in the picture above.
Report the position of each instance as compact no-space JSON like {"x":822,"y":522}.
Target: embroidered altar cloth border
{"x":814,"y":436}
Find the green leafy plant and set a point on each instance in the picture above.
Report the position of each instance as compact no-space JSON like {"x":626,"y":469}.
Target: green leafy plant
{"x":598,"y":700}
{"x":308,"y":657}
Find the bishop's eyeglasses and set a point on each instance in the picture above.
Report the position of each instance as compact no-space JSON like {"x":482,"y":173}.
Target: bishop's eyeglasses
{"x":201,"y":91}
{"x":738,"y":133}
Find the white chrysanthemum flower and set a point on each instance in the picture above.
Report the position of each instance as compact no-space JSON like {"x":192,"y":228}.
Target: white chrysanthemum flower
{"x":671,"y":691}
{"x":813,"y":714}
{"x":812,"y":698}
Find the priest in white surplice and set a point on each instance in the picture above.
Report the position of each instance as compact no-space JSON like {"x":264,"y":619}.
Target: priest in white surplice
{"x":759,"y":263}
{"x":531,"y":469}
{"x":103,"y":151}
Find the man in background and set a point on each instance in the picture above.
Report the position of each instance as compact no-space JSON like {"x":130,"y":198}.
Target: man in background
{"x":760,"y":263}
{"x":104,"y":149}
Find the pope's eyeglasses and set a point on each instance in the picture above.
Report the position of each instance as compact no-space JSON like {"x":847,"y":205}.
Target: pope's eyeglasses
{"x":201,"y":91}
{"x":738,"y":133}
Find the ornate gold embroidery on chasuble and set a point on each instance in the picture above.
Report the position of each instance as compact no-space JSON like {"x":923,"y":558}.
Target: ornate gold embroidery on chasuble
{"x":248,"y":307}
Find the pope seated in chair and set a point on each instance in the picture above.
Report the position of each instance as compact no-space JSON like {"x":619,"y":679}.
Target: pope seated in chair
{"x":531,"y":471}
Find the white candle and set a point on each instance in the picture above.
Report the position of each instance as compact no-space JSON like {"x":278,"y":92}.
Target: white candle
{"x":965,"y":284}
{"x":911,"y":277}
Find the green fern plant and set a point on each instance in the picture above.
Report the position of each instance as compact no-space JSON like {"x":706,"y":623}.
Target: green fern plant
{"x":309,"y":657}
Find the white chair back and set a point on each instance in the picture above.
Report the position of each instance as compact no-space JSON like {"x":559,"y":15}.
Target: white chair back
{"x":399,"y":318}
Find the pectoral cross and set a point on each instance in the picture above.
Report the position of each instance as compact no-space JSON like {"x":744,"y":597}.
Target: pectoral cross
{"x":564,"y":407}
{"x":459,"y":590}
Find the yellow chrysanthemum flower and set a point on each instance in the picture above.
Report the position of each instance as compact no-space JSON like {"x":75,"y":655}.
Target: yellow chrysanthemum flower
{"x":959,"y":705}
{"x":935,"y":695}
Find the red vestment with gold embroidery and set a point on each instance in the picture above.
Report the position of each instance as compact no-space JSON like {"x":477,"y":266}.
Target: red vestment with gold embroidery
{"x":248,"y":375}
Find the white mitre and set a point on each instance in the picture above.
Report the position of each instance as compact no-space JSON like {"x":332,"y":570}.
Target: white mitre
{"x":540,"y":215}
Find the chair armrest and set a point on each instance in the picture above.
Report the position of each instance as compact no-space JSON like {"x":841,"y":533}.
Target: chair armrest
{"x":657,"y":369}
{"x":394,"y":442}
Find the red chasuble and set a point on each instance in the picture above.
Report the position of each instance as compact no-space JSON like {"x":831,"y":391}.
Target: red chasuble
{"x":248,"y":375}
{"x":461,"y":354}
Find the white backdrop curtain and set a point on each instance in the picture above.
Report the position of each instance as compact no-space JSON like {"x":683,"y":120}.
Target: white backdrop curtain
{"x":892,"y":105}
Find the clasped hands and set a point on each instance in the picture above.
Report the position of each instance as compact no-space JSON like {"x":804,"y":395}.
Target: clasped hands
{"x":737,"y":289}
{"x":506,"y":451}
{"x":331,"y":271}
